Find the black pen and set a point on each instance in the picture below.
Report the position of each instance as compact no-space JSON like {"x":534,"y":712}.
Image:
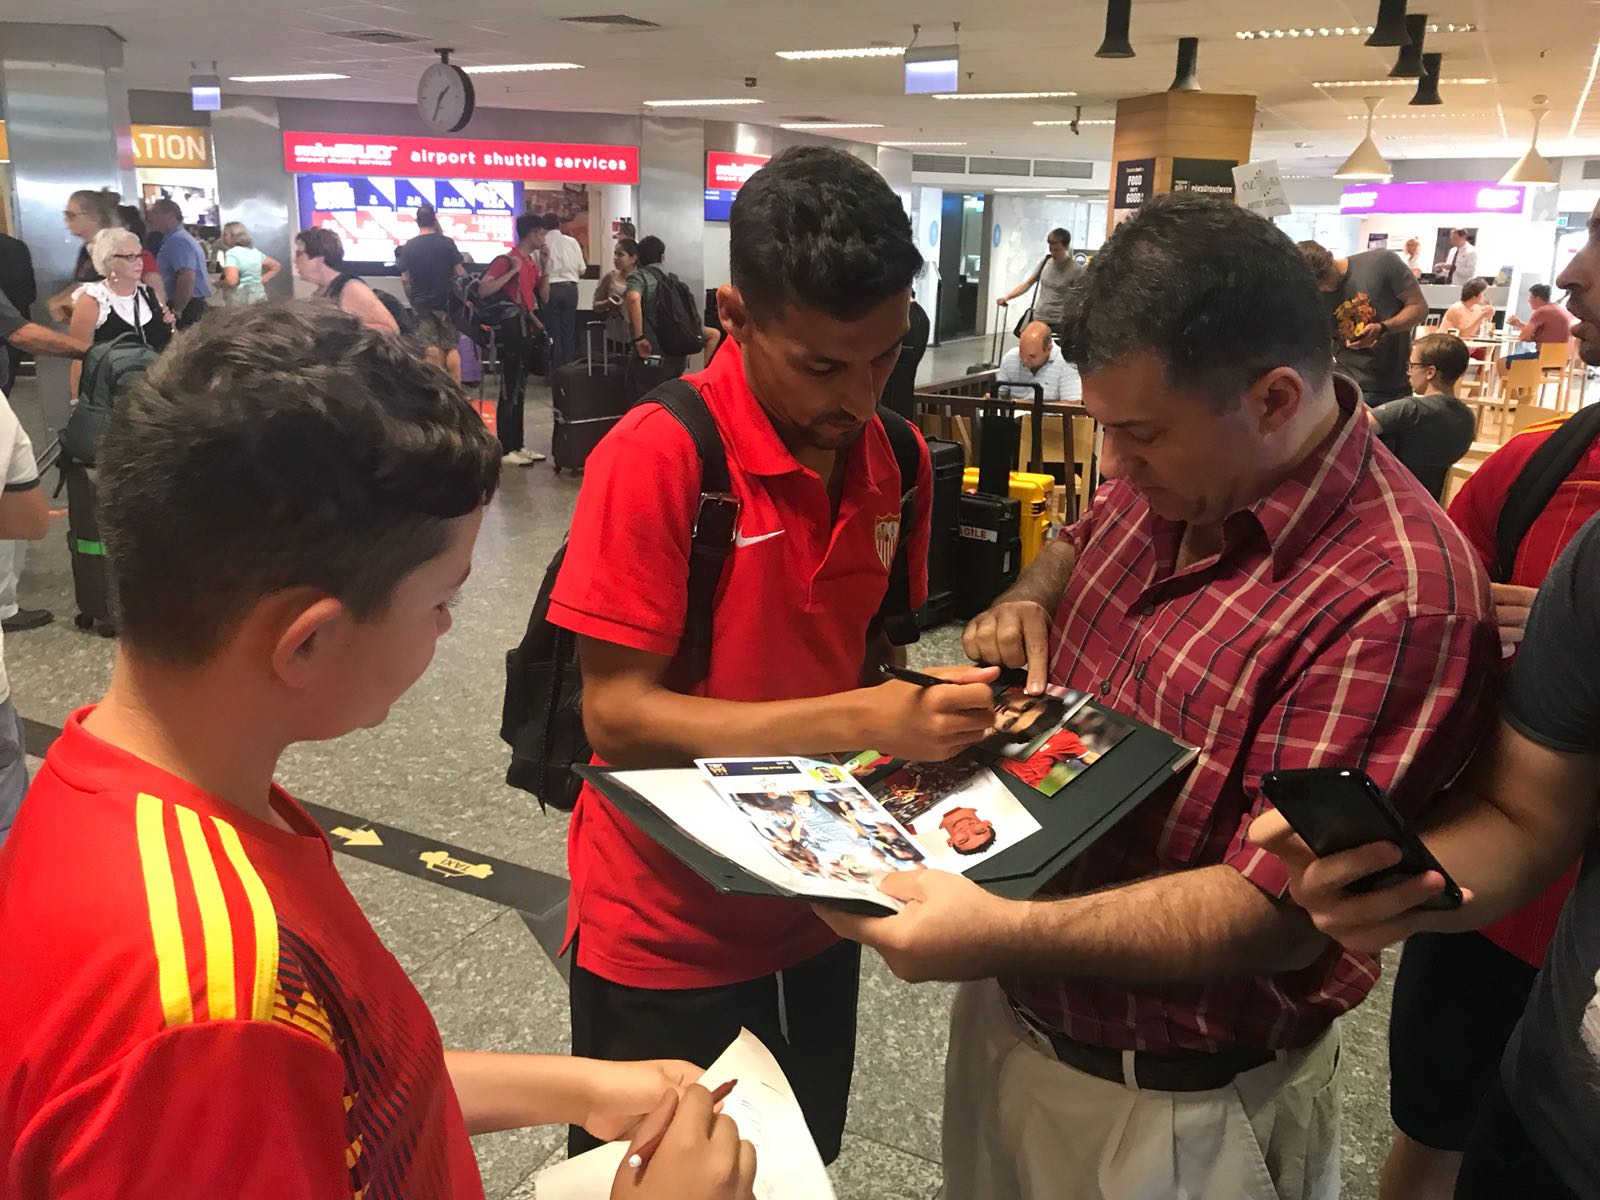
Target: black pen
{"x":907,"y":675}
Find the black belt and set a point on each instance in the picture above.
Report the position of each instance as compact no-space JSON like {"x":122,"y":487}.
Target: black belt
{"x":1156,"y":1071}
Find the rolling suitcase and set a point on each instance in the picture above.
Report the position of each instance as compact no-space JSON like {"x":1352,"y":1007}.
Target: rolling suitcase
{"x":588,"y":398}
{"x":994,"y":355}
{"x":1035,"y":493}
{"x":90,"y":583}
{"x":948,"y":461}
{"x":989,"y":550}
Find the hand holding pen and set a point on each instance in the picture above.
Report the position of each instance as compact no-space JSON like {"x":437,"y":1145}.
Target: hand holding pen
{"x":687,"y":1149}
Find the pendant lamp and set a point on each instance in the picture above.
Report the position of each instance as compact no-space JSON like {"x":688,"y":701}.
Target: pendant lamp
{"x":1116,"y":44}
{"x":1428,"y":85}
{"x":1532,"y":167}
{"x":1188,"y":59}
{"x":1366,"y":163}
{"x":1391,"y":27}
{"x":1409,"y":64}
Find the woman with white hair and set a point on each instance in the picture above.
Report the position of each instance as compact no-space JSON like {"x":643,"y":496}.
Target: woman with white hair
{"x":119,"y":303}
{"x":245,"y":270}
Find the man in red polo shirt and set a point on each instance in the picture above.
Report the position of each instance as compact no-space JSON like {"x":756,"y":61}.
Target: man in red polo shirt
{"x":1262,"y":580}
{"x":822,"y":262}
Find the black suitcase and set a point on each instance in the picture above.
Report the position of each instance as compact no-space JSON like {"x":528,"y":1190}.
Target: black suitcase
{"x":989,"y":550}
{"x":90,"y":583}
{"x":588,"y":398}
{"x":994,"y":354}
{"x":948,"y":461}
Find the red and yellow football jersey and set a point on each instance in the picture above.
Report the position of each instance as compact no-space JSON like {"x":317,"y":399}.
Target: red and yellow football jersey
{"x":195,"y":1005}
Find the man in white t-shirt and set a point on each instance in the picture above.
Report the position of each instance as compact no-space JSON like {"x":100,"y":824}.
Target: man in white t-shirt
{"x":563,"y":267}
{"x":23,"y":515}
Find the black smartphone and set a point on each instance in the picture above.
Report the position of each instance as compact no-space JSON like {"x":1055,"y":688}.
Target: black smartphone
{"x":1335,"y":809}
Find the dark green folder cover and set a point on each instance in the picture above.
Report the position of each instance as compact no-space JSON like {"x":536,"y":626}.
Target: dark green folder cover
{"x":1069,"y":822}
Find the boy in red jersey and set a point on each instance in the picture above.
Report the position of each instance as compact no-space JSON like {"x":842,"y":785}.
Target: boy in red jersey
{"x":194,"y":1004}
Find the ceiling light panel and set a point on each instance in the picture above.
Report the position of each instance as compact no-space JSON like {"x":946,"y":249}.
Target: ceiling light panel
{"x":518,"y":68}
{"x":826,"y":125}
{"x":1308,"y":31}
{"x":310,"y":77}
{"x":1414,"y":116}
{"x":1085,"y":121}
{"x":853,"y":52}
{"x":702,"y":103}
{"x":922,"y":143}
{"x":1366,"y":83}
{"x":1002,"y":95}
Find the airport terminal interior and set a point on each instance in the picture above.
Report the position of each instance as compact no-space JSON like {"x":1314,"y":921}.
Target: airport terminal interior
{"x":997,"y":127}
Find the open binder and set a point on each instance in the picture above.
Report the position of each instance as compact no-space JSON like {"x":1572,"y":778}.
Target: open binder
{"x":1069,"y":822}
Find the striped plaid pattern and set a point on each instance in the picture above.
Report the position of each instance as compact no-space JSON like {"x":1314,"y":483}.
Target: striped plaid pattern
{"x":1345,"y":623}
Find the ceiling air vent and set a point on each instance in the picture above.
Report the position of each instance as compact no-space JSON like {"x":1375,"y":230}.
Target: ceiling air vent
{"x":613,"y":21}
{"x":1591,"y":168}
{"x":999,"y":166}
{"x":380,"y":37}
{"x":1045,"y":168}
{"x":944,"y":164}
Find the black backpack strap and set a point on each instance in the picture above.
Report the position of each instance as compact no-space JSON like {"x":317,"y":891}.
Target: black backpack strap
{"x":336,"y":285}
{"x":716,"y":519}
{"x":895,"y":618}
{"x":1537,"y":482}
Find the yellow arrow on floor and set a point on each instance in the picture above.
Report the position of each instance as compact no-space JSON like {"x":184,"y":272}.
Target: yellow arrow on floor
{"x":357,"y":837}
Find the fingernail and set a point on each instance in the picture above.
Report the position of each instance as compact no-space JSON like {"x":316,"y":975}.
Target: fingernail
{"x":635,"y":1161}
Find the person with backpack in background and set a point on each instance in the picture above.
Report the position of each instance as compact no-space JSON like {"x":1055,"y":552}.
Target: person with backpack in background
{"x":823,"y":506}
{"x":516,"y":276}
{"x":120,"y":302}
{"x":319,"y":260}
{"x":655,"y":361}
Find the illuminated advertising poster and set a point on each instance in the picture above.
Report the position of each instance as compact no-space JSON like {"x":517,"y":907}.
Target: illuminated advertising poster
{"x":725,"y":175}
{"x":374,"y":215}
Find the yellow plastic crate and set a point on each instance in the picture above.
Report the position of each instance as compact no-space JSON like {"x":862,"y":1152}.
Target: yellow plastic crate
{"x":1034,"y":494}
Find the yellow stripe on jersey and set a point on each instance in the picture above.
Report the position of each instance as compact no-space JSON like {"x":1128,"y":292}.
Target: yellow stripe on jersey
{"x":172,"y":965}
{"x":263,"y":917}
{"x":215,"y":926}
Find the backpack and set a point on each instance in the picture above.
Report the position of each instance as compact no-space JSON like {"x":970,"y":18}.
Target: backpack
{"x":542,"y":715}
{"x":1546,"y":469}
{"x":473,"y":315}
{"x":401,"y":314}
{"x":109,"y":370}
{"x":675,"y":316}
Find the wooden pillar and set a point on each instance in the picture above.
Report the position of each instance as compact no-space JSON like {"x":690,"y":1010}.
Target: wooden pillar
{"x":1207,"y":131}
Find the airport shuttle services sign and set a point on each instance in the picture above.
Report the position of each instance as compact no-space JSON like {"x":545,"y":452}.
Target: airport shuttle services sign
{"x":449,"y":158}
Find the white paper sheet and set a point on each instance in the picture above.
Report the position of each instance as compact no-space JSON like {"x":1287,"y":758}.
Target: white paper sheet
{"x":763,"y":1106}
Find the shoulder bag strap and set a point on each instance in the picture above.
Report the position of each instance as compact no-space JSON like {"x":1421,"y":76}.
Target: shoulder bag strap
{"x":716,"y":519}
{"x":1538,"y":480}
{"x":895,"y":617}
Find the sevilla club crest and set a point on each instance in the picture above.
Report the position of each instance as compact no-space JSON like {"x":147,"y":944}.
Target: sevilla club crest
{"x":886,"y":536}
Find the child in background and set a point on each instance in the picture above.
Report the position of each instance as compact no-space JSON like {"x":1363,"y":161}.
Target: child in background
{"x":195,"y":1004}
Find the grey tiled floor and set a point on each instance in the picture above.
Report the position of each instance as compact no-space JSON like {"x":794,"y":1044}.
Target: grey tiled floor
{"x":436,"y":768}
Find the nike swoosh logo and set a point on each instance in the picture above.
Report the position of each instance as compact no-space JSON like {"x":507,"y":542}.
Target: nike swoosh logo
{"x":739,"y":538}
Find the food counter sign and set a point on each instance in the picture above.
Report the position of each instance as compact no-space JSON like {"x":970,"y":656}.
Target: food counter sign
{"x":448,"y":158}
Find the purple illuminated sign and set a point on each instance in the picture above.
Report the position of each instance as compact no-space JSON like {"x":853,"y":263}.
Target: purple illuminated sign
{"x":1481,"y":196}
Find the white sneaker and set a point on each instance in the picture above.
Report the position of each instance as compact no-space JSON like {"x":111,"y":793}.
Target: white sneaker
{"x":517,"y":458}
{"x":533,"y":456}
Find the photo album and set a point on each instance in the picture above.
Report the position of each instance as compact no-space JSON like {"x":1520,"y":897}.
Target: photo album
{"x":1054,"y":774}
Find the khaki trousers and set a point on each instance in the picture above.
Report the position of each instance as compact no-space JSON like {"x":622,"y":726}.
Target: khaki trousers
{"x":1020,"y":1125}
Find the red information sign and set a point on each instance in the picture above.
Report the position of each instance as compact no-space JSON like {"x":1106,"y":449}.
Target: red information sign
{"x":728,"y":172}
{"x":451,"y":158}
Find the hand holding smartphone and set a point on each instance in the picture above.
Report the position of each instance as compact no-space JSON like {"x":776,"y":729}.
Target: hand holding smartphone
{"x":1335,"y":809}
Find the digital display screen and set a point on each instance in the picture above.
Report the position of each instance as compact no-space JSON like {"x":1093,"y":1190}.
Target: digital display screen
{"x":375,"y":215}
{"x":725,"y":175}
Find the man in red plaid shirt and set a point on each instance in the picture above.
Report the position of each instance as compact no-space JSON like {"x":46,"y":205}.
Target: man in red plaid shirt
{"x":1263,"y":580}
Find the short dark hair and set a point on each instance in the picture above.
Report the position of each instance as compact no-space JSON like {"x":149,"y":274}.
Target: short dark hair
{"x":527,"y":223}
{"x":1060,"y":236}
{"x":1474,"y":287}
{"x":1466,"y":233}
{"x":298,"y":447}
{"x":651,"y":250}
{"x":551,"y":221}
{"x":1218,"y":294}
{"x":628,"y":246}
{"x":820,"y":228}
{"x":323,"y":244}
{"x":1316,"y":256}
{"x":1445,"y":353}
{"x":426,"y":217}
{"x":1540,"y":291}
